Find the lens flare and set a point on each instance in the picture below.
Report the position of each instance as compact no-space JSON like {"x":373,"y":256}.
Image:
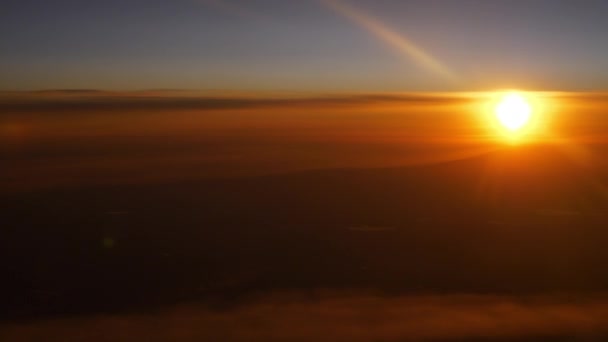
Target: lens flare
{"x":399,"y":42}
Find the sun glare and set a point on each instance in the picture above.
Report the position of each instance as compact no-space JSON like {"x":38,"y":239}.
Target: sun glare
{"x":513,"y":111}
{"x":516,"y":115}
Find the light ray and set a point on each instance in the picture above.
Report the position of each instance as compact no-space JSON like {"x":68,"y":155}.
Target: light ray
{"x":402,"y":44}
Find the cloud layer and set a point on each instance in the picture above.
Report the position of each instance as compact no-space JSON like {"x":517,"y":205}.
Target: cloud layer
{"x":339,"y":318}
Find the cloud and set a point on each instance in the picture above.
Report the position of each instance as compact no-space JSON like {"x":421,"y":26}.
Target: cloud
{"x":338,"y":318}
{"x":89,"y":100}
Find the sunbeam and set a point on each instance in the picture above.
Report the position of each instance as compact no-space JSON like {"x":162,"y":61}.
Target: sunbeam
{"x":399,"y":42}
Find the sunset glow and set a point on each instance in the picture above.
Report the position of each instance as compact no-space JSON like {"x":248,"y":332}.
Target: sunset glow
{"x":316,"y":170}
{"x":513,"y":111}
{"x":516,"y":116}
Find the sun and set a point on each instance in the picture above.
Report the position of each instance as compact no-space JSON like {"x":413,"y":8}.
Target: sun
{"x":517,"y":116}
{"x":513,"y":111}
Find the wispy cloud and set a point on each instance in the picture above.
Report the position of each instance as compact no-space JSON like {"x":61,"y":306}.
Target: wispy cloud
{"x":163,"y":100}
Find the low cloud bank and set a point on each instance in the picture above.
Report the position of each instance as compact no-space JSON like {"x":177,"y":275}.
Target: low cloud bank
{"x":108,"y":102}
{"x":338,"y":318}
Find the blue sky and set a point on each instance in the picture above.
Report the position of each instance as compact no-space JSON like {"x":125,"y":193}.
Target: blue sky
{"x":274,"y":45}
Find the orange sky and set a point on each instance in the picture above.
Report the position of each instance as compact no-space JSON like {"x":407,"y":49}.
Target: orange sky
{"x":90,"y":137}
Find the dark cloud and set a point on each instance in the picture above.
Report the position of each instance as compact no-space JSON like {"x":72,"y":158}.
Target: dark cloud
{"x":90,"y":100}
{"x":582,"y":96}
{"x":338,"y":318}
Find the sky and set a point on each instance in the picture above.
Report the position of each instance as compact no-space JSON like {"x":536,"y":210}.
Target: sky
{"x":308,"y":45}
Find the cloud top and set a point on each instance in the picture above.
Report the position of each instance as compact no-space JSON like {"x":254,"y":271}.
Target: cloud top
{"x":339,"y":318}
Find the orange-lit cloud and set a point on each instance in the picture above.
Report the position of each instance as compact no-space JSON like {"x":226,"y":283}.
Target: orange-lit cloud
{"x":339,"y":318}
{"x":94,"y":136}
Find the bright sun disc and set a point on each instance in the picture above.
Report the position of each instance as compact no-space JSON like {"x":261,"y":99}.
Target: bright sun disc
{"x":513,"y":111}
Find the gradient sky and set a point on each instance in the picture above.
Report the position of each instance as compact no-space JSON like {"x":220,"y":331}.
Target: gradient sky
{"x":308,"y":45}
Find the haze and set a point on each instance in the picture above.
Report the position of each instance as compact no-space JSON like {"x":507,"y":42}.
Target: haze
{"x":332,"y":170}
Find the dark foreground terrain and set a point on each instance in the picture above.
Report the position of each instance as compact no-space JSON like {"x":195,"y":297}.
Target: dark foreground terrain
{"x":518,"y":224}
{"x":512,"y":222}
